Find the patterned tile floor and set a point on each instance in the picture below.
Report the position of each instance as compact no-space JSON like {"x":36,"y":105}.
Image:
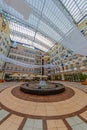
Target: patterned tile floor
{"x":68,"y":114}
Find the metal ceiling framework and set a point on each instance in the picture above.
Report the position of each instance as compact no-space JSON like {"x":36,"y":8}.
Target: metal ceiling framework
{"x":76,"y":8}
{"x":49,"y":22}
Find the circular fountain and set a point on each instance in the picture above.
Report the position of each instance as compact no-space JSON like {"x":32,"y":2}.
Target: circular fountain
{"x":43,"y":88}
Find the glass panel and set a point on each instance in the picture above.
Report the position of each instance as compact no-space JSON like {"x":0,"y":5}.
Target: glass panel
{"x":54,"y":14}
{"x":49,"y":32}
{"x":33,"y":20}
{"x":21,"y":29}
{"x":20,"y":39}
{"x":26,"y":41}
{"x":44,"y":40}
{"x":78,"y":7}
{"x":38,"y":4}
{"x":40,"y":47}
{"x":51,"y":13}
{"x":10,"y":10}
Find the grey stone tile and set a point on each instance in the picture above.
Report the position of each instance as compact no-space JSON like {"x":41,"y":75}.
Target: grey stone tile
{"x":7,"y":84}
{"x":76,"y":127}
{"x":74,"y":120}
{"x":76,"y":123}
{"x":82,"y":126}
{"x":77,"y":119}
{"x":33,"y":124}
{"x":27,"y":128}
{"x":38,"y":124}
{"x":3,"y":114}
{"x":29,"y":123}
{"x":71,"y":121}
{"x":36,"y":129}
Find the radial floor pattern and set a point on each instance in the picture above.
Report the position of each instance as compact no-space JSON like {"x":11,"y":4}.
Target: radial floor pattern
{"x":66,"y":111}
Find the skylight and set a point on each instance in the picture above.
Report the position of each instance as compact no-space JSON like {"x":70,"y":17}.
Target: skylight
{"x":77,"y":8}
{"x":26,"y":41}
{"x":21,"y":29}
{"x":27,"y":33}
{"x":49,"y":22}
{"x":44,"y":40}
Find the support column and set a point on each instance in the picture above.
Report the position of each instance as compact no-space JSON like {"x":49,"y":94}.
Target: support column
{"x":42,"y":67}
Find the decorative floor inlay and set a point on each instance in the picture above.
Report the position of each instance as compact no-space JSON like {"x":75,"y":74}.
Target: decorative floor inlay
{"x":30,"y":113}
{"x":68,"y":93}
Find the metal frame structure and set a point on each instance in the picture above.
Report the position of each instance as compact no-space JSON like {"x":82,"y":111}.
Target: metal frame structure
{"x":50,"y":21}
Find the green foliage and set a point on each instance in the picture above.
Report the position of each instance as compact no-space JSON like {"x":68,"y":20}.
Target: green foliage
{"x":82,"y":77}
{"x":76,"y":77}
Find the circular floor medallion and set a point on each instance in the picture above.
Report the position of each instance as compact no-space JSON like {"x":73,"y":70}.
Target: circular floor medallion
{"x":68,"y":93}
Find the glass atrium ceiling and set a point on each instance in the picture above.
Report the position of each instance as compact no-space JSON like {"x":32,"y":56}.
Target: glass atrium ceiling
{"x":48,"y":23}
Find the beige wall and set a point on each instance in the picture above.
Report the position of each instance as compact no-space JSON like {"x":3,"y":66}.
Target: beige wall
{"x":20,"y":54}
{"x":4,"y":42}
{"x":4,"y":28}
{"x":83,"y":25}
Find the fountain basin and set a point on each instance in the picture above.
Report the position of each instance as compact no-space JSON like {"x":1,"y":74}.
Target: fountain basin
{"x":40,"y":90}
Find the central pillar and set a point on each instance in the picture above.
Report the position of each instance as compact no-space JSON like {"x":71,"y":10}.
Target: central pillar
{"x":42,"y":65}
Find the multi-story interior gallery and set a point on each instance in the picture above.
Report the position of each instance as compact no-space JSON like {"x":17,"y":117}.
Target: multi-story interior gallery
{"x":43,"y":64}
